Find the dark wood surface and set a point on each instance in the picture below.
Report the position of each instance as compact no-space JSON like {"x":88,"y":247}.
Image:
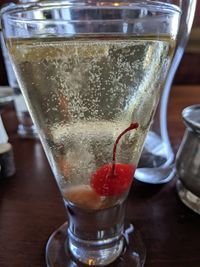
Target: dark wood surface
{"x":31,"y":207}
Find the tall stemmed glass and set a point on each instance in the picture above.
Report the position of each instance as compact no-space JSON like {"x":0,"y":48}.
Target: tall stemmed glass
{"x":91,"y":73}
{"x":156,"y":163}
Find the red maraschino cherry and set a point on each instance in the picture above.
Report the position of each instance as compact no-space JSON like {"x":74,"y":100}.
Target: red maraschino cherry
{"x":115,"y":178}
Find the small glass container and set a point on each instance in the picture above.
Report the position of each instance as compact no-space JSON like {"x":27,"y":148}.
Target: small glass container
{"x":7,"y":164}
{"x":188,"y":160}
{"x":26,"y":128}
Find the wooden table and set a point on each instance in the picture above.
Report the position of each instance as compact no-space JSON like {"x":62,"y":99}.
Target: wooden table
{"x":31,"y":207}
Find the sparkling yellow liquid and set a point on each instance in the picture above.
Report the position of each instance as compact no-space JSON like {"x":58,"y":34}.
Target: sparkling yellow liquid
{"x":83,"y":92}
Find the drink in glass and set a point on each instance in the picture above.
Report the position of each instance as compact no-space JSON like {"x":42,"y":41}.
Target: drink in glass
{"x":91,"y":74}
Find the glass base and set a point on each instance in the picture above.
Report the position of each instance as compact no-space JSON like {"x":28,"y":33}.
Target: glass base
{"x":188,"y":198}
{"x":6,"y":96}
{"x":156,"y":162}
{"x":57,"y":253}
{"x":157,"y":175}
{"x":27,"y":131}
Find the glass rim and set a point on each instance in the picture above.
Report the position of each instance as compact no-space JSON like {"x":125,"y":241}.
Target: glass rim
{"x":187,"y":115}
{"x":11,"y":10}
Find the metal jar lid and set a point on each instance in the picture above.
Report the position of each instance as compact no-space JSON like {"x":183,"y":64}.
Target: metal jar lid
{"x":191,"y":117}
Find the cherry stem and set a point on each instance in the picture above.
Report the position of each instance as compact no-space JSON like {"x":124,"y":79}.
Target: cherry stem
{"x":131,"y":127}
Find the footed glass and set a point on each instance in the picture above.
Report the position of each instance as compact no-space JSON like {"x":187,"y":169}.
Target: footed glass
{"x":156,"y":165}
{"x":92,"y":73}
{"x":25,"y":128}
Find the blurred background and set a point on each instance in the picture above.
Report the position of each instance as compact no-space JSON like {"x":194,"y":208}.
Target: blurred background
{"x":188,"y":71}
